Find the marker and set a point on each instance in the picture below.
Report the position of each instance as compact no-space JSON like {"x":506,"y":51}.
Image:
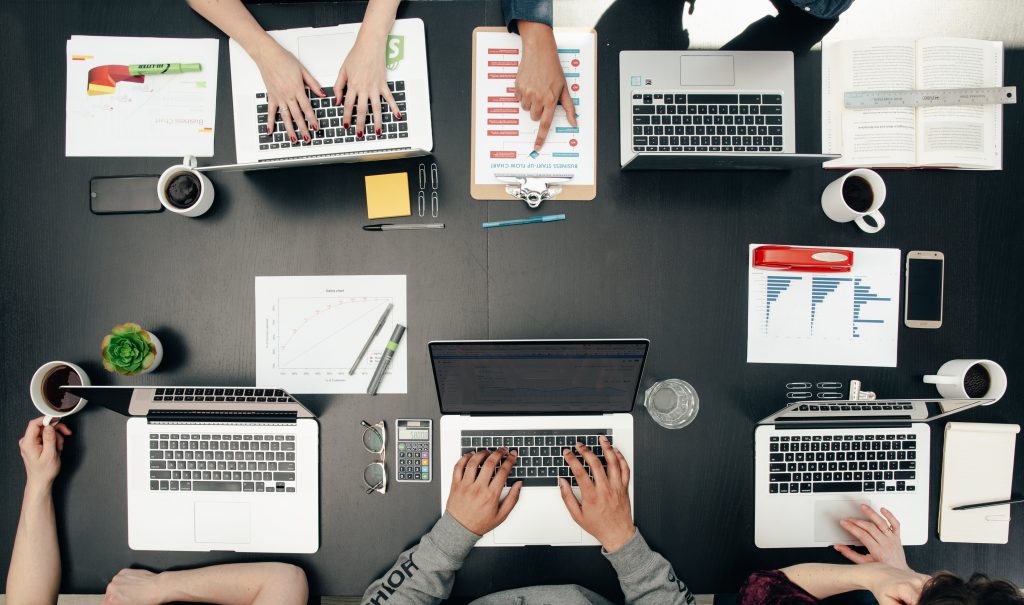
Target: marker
{"x":385,"y":360}
{"x":525,"y":221}
{"x":410,"y":226}
{"x":369,"y":341}
{"x":157,"y":69}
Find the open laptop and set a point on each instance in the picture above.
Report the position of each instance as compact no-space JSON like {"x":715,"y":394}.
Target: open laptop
{"x":536,"y":397}
{"x":709,"y":110}
{"x":322,"y":50}
{"x":816,"y":462}
{"x":218,"y":468}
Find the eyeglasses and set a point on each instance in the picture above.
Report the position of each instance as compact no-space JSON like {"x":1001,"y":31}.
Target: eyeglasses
{"x":375,"y":440}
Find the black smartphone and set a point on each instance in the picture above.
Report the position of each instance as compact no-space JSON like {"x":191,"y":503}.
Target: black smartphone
{"x":923,"y":304}
{"x":123,"y":195}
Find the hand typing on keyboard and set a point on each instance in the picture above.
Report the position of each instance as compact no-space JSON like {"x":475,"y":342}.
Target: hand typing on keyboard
{"x":362,"y":76}
{"x":540,"y":83}
{"x":604,"y":511}
{"x":286,"y":80}
{"x":479,"y":478}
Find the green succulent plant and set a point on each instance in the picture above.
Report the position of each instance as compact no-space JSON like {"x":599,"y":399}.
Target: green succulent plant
{"x":128,"y":350}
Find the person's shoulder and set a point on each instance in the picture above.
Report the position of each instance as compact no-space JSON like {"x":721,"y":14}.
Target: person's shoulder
{"x":772,"y":588}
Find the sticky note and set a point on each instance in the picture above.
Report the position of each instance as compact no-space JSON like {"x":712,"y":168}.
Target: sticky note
{"x":387,"y":195}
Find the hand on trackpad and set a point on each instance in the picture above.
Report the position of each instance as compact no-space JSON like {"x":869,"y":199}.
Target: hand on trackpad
{"x":222,"y":522}
{"x":539,"y":517}
{"x":828,"y":513}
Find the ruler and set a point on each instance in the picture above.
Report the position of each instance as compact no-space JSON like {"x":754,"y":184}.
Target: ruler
{"x":866,"y":99}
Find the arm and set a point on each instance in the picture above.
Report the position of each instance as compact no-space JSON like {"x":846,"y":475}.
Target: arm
{"x":34,"y":576}
{"x":425,"y":573}
{"x":646,"y":577}
{"x":237,"y":584}
{"x":889,"y":585}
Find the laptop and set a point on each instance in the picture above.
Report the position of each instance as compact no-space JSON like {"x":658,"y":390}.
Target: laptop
{"x":218,"y":468}
{"x":816,"y":462}
{"x":709,"y":110}
{"x":322,"y":50}
{"x":537,"y":397}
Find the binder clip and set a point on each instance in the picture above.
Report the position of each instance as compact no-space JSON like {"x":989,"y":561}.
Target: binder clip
{"x":533,"y":189}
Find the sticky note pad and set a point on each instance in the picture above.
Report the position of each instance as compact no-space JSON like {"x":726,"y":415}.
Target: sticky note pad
{"x":387,"y":195}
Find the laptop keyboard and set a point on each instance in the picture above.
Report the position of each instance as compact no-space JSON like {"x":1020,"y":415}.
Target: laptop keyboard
{"x":221,"y":462}
{"x":707,"y":122}
{"x":221,"y":395}
{"x":540,"y":461}
{"x":805,"y":464}
{"x":329,"y":115}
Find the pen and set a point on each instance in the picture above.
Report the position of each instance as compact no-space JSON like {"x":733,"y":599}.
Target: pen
{"x":376,"y":331}
{"x":156,"y":69}
{"x":385,"y":359}
{"x":410,"y":226}
{"x":525,"y":221}
{"x":987,"y":504}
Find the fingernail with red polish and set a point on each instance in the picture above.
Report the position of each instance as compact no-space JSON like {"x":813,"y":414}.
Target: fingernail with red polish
{"x":294,"y":140}
{"x":305,"y":138}
{"x":359,"y":134}
{"x":345,"y":124}
{"x":322,"y":92}
{"x":378,"y":132}
{"x":313,"y":127}
{"x":398,"y":115}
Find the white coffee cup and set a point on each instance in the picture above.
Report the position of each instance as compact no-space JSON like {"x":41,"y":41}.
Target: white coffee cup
{"x":52,"y":414}
{"x":949,"y":380}
{"x":205,"y":200}
{"x":837,"y":209}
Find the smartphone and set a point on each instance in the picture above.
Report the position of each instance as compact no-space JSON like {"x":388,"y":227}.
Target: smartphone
{"x":123,"y":195}
{"x":925,"y":283}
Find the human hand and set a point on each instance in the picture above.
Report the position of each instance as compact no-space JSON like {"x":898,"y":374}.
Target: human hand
{"x":40,"y":449}
{"x":286,"y":79}
{"x":475,"y":500}
{"x":880,"y":536}
{"x":364,"y":80}
{"x":135,"y":587}
{"x":893,"y":586}
{"x":605,"y":510}
{"x":540,"y":83}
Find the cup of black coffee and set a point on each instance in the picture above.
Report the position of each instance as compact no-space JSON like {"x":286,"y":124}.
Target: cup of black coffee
{"x":48,"y":396}
{"x":856,"y":196}
{"x":185,"y":190}
{"x":970,"y":379}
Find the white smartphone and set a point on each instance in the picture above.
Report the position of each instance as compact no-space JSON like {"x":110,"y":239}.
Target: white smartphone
{"x":922,"y":306}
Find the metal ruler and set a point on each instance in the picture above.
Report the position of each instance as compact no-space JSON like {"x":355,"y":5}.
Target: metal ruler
{"x":866,"y":99}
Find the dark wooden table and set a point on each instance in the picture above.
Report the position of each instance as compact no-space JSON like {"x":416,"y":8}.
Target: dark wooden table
{"x":658,"y":254}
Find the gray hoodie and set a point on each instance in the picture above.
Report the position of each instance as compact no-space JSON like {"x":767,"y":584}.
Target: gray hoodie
{"x":424,"y":574}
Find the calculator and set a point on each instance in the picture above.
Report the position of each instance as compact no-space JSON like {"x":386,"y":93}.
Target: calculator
{"x":413,"y":451}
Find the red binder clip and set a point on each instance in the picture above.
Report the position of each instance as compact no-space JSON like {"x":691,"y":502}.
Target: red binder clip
{"x":813,"y":260}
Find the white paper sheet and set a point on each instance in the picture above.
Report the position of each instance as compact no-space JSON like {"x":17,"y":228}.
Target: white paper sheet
{"x":504,"y":132}
{"x":162,"y":116}
{"x":309,"y":330}
{"x":846,"y":319}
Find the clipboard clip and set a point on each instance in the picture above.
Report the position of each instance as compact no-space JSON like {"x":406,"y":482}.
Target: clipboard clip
{"x":533,"y":189}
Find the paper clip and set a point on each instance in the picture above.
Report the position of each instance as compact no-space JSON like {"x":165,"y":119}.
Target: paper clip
{"x":423,"y":177}
{"x":433,"y":178}
{"x":799,"y":385}
{"x":830,"y":395}
{"x":433,"y":204}
{"x":421,"y":202}
{"x":798,"y":395}
{"x":830,"y":385}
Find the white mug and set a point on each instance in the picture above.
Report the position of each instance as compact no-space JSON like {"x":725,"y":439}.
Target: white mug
{"x":205,"y":200}
{"x":836,"y":208}
{"x":949,"y":380}
{"x":52,"y":414}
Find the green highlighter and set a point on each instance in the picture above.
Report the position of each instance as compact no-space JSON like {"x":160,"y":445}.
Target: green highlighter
{"x":157,"y":69}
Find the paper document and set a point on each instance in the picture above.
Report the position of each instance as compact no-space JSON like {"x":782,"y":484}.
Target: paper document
{"x":310,"y":329}
{"x":848,"y":319}
{"x":111,"y":111}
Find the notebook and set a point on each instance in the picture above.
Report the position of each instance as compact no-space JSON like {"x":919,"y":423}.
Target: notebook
{"x":977,"y":466}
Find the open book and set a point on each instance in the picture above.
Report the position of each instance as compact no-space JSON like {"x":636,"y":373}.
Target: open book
{"x":966,"y":137}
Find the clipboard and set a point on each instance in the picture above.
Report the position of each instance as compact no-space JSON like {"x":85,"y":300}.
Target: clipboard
{"x":520,"y":183}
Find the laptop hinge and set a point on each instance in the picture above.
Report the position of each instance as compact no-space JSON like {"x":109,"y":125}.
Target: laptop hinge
{"x":220,"y":416}
{"x":790,"y":425}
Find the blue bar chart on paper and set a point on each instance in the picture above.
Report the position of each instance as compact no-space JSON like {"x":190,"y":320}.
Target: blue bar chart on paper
{"x":826,"y":318}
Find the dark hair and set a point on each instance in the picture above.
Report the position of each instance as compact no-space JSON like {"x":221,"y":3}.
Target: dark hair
{"x":948,"y":589}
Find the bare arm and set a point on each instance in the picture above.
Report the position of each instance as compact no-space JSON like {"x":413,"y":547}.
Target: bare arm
{"x":232,"y":18}
{"x":889,"y":585}
{"x":237,"y":584}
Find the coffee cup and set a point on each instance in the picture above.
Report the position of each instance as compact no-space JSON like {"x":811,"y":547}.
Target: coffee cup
{"x":856,"y":196}
{"x":969,"y":379}
{"x":52,"y":401}
{"x":184,"y":190}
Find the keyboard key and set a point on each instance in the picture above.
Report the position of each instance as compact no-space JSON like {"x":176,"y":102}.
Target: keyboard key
{"x":843,"y":486}
{"x":216,"y":486}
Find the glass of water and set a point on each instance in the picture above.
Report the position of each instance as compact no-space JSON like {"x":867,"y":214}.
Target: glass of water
{"x":673,"y":403}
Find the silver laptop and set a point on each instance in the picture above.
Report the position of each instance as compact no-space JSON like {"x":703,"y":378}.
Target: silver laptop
{"x":709,"y":110}
{"x":218,"y":468}
{"x":537,"y":397}
{"x":816,"y":462}
{"x":322,"y":50}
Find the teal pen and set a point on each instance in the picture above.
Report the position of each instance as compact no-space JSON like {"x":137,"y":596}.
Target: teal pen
{"x":525,"y":221}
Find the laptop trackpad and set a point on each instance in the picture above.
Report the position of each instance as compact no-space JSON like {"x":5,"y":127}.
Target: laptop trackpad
{"x":706,"y":70}
{"x":225,"y":522}
{"x":539,"y":517}
{"x":828,"y":513}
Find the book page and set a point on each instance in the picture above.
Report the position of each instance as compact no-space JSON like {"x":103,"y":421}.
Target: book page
{"x":968,"y":136}
{"x":869,"y":137}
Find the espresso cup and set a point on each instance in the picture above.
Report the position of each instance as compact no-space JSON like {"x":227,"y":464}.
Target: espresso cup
{"x":184,"y":190}
{"x":855,"y":196}
{"x":962,"y":379}
{"x":47,"y":395}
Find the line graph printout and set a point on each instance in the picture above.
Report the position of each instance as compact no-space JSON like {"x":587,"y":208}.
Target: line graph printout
{"x":826,"y":318}
{"x":310,"y":329}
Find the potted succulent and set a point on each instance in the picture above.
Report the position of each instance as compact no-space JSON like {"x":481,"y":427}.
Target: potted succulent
{"x":129,"y":350}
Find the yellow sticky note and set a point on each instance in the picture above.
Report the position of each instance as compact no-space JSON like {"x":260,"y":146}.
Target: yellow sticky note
{"x":387,"y":195}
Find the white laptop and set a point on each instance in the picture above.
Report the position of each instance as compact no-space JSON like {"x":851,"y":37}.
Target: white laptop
{"x":709,"y":110}
{"x":537,"y":397}
{"x":322,"y":50}
{"x":816,"y":462}
{"x":218,"y":468}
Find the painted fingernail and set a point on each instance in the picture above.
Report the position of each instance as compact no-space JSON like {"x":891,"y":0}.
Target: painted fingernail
{"x":294,"y":140}
{"x":398,"y":115}
{"x":322,"y":93}
{"x":378,"y":132}
{"x":345,"y":124}
{"x":313,"y":127}
{"x":305,"y":138}
{"x":359,"y":134}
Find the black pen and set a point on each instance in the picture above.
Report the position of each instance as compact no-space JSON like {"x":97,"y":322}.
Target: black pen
{"x":393,"y":227}
{"x":987,"y":504}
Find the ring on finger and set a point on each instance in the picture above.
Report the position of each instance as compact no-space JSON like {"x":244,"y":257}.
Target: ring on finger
{"x":889,"y":529}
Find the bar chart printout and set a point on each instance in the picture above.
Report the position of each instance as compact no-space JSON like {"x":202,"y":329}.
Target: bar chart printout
{"x":826,"y":318}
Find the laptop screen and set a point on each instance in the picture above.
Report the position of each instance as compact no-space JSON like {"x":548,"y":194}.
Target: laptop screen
{"x":537,"y":376}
